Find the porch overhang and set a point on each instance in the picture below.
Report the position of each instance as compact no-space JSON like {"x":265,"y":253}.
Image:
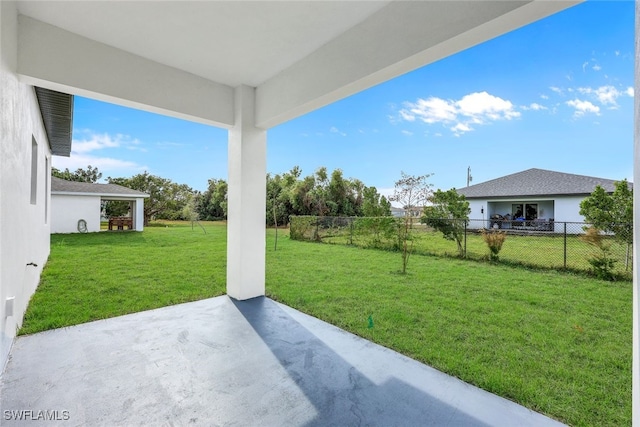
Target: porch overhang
{"x":186,"y":61}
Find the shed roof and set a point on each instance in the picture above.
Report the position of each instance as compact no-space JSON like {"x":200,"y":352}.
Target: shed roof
{"x":61,"y":186}
{"x":537,"y":182}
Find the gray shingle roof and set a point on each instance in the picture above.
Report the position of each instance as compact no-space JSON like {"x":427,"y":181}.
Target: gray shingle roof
{"x":62,"y":186}
{"x":537,"y":182}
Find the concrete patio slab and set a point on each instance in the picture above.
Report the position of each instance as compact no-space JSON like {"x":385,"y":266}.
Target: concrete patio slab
{"x":221,"y":362}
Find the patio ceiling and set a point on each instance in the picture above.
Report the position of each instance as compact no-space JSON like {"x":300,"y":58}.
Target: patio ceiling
{"x":184,"y":58}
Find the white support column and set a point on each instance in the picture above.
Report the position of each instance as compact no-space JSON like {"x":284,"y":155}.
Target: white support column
{"x":246,"y":200}
{"x":138,"y":214}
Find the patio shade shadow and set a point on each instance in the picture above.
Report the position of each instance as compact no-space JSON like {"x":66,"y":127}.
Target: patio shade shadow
{"x":219,"y":362}
{"x":372,"y":387}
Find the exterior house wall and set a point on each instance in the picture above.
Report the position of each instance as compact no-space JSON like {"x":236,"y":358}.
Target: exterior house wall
{"x":67,"y":210}
{"x":478,"y":213}
{"x":568,"y":208}
{"x":24,"y":204}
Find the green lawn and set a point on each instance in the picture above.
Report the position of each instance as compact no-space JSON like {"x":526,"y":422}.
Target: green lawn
{"x":555,"y":342}
{"x":539,"y":251}
{"x":100,"y":275}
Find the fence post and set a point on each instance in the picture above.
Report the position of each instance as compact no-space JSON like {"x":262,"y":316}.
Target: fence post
{"x":351,"y":230}
{"x":465,"y":239}
{"x":565,"y":245}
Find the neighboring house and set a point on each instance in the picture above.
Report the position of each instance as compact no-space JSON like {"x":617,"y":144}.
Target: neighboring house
{"x":533,"y":195}
{"x":72,"y":202}
{"x":401,"y":213}
{"x":397,"y":212}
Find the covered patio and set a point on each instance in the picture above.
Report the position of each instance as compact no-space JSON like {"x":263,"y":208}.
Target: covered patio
{"x":226,"y":362}
{"x":247,"y":67}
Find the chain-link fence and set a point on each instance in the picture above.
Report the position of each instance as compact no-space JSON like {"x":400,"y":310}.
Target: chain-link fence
{"x":540,"y":244}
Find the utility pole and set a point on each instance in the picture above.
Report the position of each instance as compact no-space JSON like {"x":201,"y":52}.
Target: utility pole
{"x":469,"y":177}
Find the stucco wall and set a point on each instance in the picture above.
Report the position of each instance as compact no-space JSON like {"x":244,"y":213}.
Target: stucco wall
{"x":568,"y":208}
{"x":67,"y":210}
{"x":24,"y":227}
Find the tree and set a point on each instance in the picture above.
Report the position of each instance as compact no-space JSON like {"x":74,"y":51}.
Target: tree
{"x":302,"y":197}
{"x":166,"y":198}
{"x":189,"y":212}
{"x":320,"y":194}
{"x":611,"y":213}
{"x":373,"y":204}
{"x":413,"y":193}
{"x":89,"y":174}
{"x":279,"y":206}
{"x":212,"y":204}
{"x":112,"y":208}
{"x":448,"y":214}
{"x":318,"y":199}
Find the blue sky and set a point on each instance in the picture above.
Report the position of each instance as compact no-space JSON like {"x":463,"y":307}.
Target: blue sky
{"x":557,"y":94}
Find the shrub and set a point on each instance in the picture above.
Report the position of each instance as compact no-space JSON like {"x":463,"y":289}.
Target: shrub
{"x":378,"y":231}
{"x":601,"y":261}
{"x":494,"y":240}
{"x":301,"y":225}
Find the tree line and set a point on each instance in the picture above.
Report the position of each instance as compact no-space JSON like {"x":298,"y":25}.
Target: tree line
{"x":321,"y":193}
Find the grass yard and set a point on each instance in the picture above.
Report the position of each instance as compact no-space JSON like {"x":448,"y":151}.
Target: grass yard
{"x":540,"y":251}
{"x":100,"y":275}
{"x":554,"y":342}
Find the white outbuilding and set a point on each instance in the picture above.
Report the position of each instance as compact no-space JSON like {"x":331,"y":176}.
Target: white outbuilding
{"x":76,"y":206}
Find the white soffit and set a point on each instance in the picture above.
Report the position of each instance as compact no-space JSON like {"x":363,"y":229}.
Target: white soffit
{"x":300,"y":55}
{"x":229,"y":42}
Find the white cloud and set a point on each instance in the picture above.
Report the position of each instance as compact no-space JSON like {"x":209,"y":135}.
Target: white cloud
{"x":106,"y":165}
{"x":606,"y":95}
{"x":582,"y":107}
{"x":477,"y":108}
{"x":584,"y":66}
{"x":88,"y":142}
{"x":96,"y":141}
{"x":406,"y":132}
{"x":596,"y":68}
{"x":431,"y":110}
{"x":483,"y":104}
{"x":405,"y":115}
{"x":461,"y":128}
{"x":544,"y":96}
{"x":535,"y":107}
{"x":556,"y":90}
{"x":334,"y":129}
{"x":630,"y":92}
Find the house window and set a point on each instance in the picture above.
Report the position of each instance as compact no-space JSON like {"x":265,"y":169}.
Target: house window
{"x":516,"y":211}
{"x":531,"y":211}
{"x":34,"y":170}
{"x":524,"y":212}
{"x":47,"y":175}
